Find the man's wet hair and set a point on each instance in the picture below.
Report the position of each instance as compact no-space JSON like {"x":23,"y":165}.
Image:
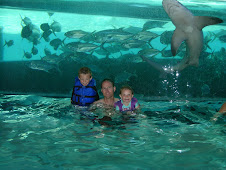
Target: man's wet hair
{"x":110,"y":80}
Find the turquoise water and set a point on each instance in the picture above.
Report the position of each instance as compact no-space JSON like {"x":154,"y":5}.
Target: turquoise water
{"x":46,"y":133}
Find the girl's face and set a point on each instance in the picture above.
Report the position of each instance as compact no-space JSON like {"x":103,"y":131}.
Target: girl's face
{"x":85,"y":79}
{"x":126,"y":96}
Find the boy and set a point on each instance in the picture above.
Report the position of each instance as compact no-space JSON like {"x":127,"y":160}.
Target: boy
{"x":127,"y":102}
{"x":85,"y":91}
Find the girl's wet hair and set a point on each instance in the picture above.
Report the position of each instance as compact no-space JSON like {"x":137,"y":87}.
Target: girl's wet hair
{"x":126,"y":87}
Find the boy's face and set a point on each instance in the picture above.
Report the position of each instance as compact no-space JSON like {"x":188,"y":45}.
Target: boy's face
{"x":85,"y":79}
{"x":126,"y":95}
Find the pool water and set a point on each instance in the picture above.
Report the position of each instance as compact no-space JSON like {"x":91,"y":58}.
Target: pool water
{"x":47,"y":133}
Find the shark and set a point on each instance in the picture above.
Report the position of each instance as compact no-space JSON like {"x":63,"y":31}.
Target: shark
{"x":188,"y":29}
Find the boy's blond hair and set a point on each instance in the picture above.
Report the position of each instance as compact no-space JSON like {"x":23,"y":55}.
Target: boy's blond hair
{"x":126,"y":87}
{"x":84,"y":70}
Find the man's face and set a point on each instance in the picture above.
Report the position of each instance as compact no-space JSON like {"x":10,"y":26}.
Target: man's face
{"x":85,"y":79}
{"x":107,"y":89}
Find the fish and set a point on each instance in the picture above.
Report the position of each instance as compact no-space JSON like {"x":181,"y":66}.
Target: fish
{"x":42,"y":65}
{"x":8,"y":43}
{"x":133,"y":30}
{"x":45,"y":27}
{"x":112,"y":35}
{"x":52,"y":59}
{"x":46,"y":35}
{"x":115,"y":48}
{"x":34,"y":50}
{"x":153,"y":24}
{"x":26,"y":32}
{"x":81,"y":47}
{"x":133,"y":44}
{"x":189,"y":29}
{"x":55,"y":27}
{"x":88,"y":37}
{"x":50,"y":14}
{"x":149,"y":52}
{"x":146,"y":36}
{"x":35,"y":35}
{"x":27,"y":21}
{"x":27,"y":55}
{"x":76,"y":34}
{"x":86,"y":47}
{"x":56,"y":43}
{"x":47,"y":52}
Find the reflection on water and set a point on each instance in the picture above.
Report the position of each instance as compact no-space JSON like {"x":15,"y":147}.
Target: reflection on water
{"x":48,"y":133}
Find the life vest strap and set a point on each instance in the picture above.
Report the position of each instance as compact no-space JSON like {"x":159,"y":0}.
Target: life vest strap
{"x":86,"y":96}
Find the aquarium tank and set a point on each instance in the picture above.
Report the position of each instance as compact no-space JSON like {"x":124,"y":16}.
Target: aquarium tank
{"x":170,"y":52}
{"x":44,"y":43}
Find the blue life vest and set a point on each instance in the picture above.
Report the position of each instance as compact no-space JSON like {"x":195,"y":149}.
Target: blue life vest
{"x":84,"y":95}
{"x":133,"y":104}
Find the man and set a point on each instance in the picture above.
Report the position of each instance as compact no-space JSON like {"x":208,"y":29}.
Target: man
{"x":107,"y":103}
{"x":107,"y":88}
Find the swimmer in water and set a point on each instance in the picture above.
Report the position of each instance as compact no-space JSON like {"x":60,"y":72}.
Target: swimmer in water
{"x":222,"y":111}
